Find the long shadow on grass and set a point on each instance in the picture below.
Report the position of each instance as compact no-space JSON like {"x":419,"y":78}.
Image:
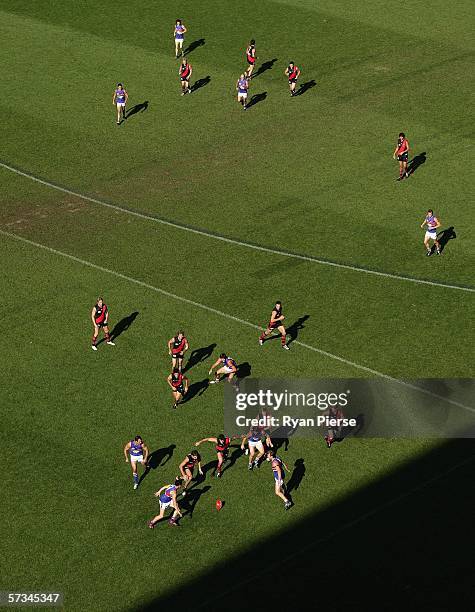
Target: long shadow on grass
{"x":416,"y":162}
{"x":404,"y":541}
{"x":199,"y":355}
{"x":264,"y":67}
{"x":200,"y":83}
{"x":304,"y":87}
{"x":195,"y":389}
{"x":193,"y":496}
{"x":256,"y":98}
{"x":194,"y":45}
{"x":123,"y":325}
{"x":293,"y":330}
{"x":158,"y":458}
{"x":138,"y":108}
{"x":444,"y":236}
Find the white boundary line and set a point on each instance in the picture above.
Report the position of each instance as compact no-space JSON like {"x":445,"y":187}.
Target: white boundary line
{"x":179,"y":298}
{"x":337,"y":532}
{"x":249,"y":245}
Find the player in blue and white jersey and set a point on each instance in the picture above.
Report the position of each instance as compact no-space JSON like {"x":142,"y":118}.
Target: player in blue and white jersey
{"x":167,"y":497}
{"x":278,"y":467}
{"x":228,"y":368}
{"x":137,"y":451}
{"x":179,"y":32}
{"x":254,"y":440}
{"x":432,"y":224}
{"x":119,"y":98}
{"x":242,"y":86}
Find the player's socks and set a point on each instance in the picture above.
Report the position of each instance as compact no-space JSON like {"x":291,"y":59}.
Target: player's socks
{"x":151,"y":524}
{"x":429,"y":253}
{"x":250,"y":466}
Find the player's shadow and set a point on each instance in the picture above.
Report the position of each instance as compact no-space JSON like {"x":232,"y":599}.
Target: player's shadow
{"x":233,"y":457}
{"x":200,"y":83}
{"x":193,"y":496}
{"x":195,"y":389}
{"x":256,"y":98}
{"x":297,"y":476}
{"x":444,"y":236}
{"x":243,"y":370}
{"x":415,"y":162}
{"x":199,"y":355}
{"x":264,"y":67}
{"x":158,"y":458}
{"x":138,"y":108}
{"x":194,"y":45}
{"x":281,"y":437}
{"x":304,"y":87}
{"x":293,"y":330}
{"x":123,"y":325}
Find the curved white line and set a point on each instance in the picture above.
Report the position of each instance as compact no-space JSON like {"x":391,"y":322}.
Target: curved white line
{"x":130,"y":279}
{"x":249,"y":245}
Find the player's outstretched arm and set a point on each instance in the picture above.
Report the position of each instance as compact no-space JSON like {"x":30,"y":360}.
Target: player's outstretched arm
{"x":214,"y":440}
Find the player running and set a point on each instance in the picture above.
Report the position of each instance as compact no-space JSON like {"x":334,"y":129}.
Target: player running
{"x":242,"y":87}
{"x":250,"y":58}
{"x":278,"y":467}
{"x":179,"y":386}
{"x":100,"y":320}
{"x":275,"y":323}
{"x":187,"y":467}
{"x":119,"y":98}
{"x":432,"y":224}
{"x":185,"y":71}
{"x":402,"y":153}
{"x":167,"y":497}
{"x":228,"y":368}
{"x":222,"y":444}
{"x":254,"y":440}
{"x":292,"y":72}
{"x":179,"y":32}
{"x":138,"y":452}
{"x":177,"y":346}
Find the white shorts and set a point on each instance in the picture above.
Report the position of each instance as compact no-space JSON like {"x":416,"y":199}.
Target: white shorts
{"x":120,"y":104}
{"x":431,"y":236}
{"x":242,"y":96}
{"x":136,"y":458}
{"x":165,"y":505}
{"x":258,"y":445}
{"x":228,"y":370}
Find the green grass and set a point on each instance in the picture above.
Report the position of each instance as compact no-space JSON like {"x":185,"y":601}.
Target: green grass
{"x":312,"y":175}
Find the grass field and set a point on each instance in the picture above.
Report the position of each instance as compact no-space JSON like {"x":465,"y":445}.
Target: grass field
{"x":311,"y":179}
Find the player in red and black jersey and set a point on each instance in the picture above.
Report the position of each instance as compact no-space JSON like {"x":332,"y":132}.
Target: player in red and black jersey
{"x":292,"y":72}
{"x":187,"y":467}
{"x":222,"y":444}
{"x":402,"y":153}
{"x":178,"y":384}
{"x":250,"y":58}
{"x":176,"y":349}
{"x":100,"y":320}
{"x":185,"y":71}
{"x":275,"y":323}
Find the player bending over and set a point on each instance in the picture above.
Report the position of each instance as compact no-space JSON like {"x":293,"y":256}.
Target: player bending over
{"x":278,"y":467}
{"x":187,"y":467}
{"x":432,"y":224}
{"x":228,"y":368}
{"x":100,"y":320}
{"x":222,"y":444}
{"x":137,"y":450}
{"x":275,"y":323}
{"x":167,"y":497}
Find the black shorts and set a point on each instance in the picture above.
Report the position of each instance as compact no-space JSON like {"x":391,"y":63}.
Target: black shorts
{"x":179,"y":389}
{"x":251,"y":63}
{"x":185,"y":79}
{"x":403,"y":158}
{"x":177,"y":355}
{"x":292,"y":81}
{"x":224,"y":452}
{"x":103,"y":324}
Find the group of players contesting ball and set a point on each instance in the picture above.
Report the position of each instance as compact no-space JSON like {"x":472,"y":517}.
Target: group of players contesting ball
{"x":225,"y":367}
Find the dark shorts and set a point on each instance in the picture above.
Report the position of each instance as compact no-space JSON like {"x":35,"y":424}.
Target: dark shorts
{"x":180,"y":389}
{"x":275,"y":325}
{"x":224,"y":453}
{"x":403,"y":158}
{"x":103,"y":324}
{"x":177,"y":355}
{"x":185,"y":79}
{"x":292,"y":81}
